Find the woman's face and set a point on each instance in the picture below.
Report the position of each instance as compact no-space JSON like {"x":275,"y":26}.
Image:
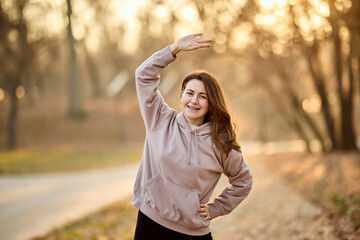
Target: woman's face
{"x":194,"y":102}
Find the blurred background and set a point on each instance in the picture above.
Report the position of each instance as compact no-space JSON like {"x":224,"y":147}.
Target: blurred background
{"x":290,"y":70}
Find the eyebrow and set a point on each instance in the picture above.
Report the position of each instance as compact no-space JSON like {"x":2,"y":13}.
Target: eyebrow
{"x":194,"y":91}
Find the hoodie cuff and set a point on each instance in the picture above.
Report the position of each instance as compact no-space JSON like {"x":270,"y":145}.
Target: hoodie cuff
{"x":169,"y":57}
{"x":215,"y":211}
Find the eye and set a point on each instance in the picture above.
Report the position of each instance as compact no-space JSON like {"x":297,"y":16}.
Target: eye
{"x":189,"y":93}
{"x":203,"y":96}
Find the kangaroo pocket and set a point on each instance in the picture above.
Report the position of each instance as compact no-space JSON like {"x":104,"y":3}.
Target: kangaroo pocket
{"x":174,"y":203}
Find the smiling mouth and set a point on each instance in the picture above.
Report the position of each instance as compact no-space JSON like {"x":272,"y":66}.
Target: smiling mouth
{"x":193,"y":108}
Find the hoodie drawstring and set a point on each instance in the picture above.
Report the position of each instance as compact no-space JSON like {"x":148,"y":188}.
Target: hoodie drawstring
{"x":196,"y":148}
{"x":188,"y":153}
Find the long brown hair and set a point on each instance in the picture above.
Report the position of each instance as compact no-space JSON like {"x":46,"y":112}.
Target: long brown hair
{"x":222,"y":126}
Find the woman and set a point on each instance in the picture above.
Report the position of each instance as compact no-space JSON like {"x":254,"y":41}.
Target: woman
{"x":185,"y":154}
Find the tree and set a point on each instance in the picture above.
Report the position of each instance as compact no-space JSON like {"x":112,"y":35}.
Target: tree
{"x":15,"y":58}
{"x":75,"y":103}
{"x":275,"y":30}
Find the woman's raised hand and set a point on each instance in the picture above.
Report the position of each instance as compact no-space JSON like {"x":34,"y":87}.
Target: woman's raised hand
{"x":190,"y":43}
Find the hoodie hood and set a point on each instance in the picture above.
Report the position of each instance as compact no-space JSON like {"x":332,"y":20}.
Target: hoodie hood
{"x":193,"y":135}
{"x":204,"y":129}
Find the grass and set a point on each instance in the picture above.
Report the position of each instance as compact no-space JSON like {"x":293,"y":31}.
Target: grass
{"x":348,"y":207}
{"x":116,"y":221}
{"x":66,"y":159}
{"x":50,"y":141}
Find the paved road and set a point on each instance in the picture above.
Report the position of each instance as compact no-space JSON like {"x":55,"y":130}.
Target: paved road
{"x":31,"y":205}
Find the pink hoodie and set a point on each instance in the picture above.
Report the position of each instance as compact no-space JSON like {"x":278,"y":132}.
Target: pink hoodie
{"x":180,"y":167}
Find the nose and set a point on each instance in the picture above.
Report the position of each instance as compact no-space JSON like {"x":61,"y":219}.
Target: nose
{"x":194,"y":99}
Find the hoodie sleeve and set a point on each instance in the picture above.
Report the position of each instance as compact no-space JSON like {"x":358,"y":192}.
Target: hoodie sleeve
{"x":152,"y":105}
{"x":240,"y":178}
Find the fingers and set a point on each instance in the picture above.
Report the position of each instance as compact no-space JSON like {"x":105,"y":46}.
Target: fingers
{"x":190,"y":42}
{"x":193,"y":46}
{"x":187,"y":43}
{"x":204,"y":212}
{"x":199,"y":43}
{"x":196,"y":34}
{"x":203,"y":40}
{"x":204,"y":45}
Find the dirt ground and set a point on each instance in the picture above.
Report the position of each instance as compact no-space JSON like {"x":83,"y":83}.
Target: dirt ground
{"x":279,"y":207}
{"x":273,"y":210}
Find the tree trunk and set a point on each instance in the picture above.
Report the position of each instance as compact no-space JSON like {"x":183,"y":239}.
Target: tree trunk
{"x":12,"y":143}
{"x":297,"y":106}
{"x":292,"y":119}
{"x":319,"y":83}
{"x":335,"y":16}
{"x":74,"y":83}
{"x":21,"y":74}
{"x":93,"y":72}
{"x":354,"y":26}
{"x":299,"y":129}
{"x":348,"y":131}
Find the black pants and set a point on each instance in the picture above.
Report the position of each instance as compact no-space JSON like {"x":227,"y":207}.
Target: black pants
{"x":147,"y":229}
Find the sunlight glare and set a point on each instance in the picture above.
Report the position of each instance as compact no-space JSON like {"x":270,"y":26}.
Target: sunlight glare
{"x":126,"y":11}
{"x":266,"y":20}
{"x":344,"y":33}
{"x":264,"y":54}
{"x":225,"y":19}
{"x":292,"y":2}
{"x":317,"y":21}
{"x":219,"y":48}
{"x":277,"y":48}
{"x":189,"y":13}
{"x":180,"y":31}
{"x":156,"y":28}
{"x":241,"y":36}
{"x":92,"y":40}
{"x":2,"y":94}
{"x":78,"y":30}
{"x":240,"y":3}
{"x":131,"y":36}
{"x":220,"y":38}
{"x":321,"y":7}
{"x":324,"y":10}
{"x":305,"y":25}
{"x":125,"y":14}
{"x":312,"y":104}
{"x":343,"y":5}
{"x":185,"y":28}
{"x":49,"y":22}
{"x":271,"y":4}
{"x":190,"y":23}
{"x":20,"y":92}
{"x":162,"y":13}
{"x":13,"y":35}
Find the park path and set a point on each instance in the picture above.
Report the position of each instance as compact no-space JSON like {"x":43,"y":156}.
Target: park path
{"x":31,"y":205}
{"x":273,"y":211}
